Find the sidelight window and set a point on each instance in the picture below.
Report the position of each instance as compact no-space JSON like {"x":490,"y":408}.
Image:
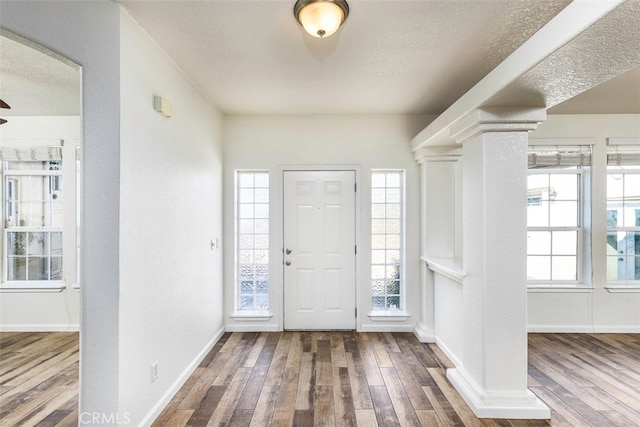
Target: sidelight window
{"x":387,"y":226}
{"x":252,"y":240}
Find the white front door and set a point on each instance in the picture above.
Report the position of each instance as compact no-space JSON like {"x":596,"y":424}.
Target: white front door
{"x":319,"y":245}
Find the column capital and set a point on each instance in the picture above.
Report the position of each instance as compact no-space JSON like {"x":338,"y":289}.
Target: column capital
{"x":497,"y":119}
{"x":444,"y":153}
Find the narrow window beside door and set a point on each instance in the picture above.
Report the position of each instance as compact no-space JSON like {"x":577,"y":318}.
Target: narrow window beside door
{"x":387,"y":218}
{"x":252,"y":240}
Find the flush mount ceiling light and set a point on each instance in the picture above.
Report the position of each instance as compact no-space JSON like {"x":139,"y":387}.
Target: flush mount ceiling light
{"x":321,"y":18}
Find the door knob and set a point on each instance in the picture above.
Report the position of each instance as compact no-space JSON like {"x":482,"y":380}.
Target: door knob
{"x":287,"y":262}
{"x":287,"y":251}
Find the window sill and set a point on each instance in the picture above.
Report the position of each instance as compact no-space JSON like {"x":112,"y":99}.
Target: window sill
{"x":32,"y":287}
{"x":251,"y":315}
{"x":623,"y":288}
{"x":564,"y":288}
{"x":450,"y":268}
{"x":388,"y":315}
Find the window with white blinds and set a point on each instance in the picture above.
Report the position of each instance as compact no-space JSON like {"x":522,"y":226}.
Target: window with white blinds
{"x":32,"y":214}
{"x":623,"y":213}
{"x":555,"y":212}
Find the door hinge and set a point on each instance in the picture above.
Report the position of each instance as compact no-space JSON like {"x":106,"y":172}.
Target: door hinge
{"x":356,"y":312}
{"x":355,"y":186}
{"x":356,"y":249}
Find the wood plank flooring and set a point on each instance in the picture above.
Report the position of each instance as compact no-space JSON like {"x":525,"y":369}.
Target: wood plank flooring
{"x":334,"y":379}
{"x":39,"y":379}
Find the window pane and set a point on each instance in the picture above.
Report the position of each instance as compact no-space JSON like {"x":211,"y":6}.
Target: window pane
{"x":563,"y":214}
{"x":564,"y":267}
{"x":377,"y":226}
{"x":539,"y":242}
{"x":377,"y":195}
{"x":38,"y":243}
{"x":615,"y":187}
{"x":538,"y":214}
{"x":262,"y":195}
{"x":38,"y":268}
{"x":563,"y":187}
{"x":56,"y":268}
{"x":262,"y":226}
{"x":246,"y":195}
{"x":538,"y":182}
{"x":565,"y":243}
{"x":632,"y":187}
{"x":16,"y":243}
{"x":539,"y":267}
{"x":378,"y":257}
{"x":17,"y":269}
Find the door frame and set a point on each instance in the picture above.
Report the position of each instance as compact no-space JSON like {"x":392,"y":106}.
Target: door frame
{"x":277,"y":270}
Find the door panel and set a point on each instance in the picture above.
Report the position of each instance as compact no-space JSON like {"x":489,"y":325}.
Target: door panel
{"x":319,"y":241}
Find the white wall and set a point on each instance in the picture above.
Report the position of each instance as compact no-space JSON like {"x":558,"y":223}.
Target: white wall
{"x":170,"y":209}
{"x":596,"y":310}
{"x":88,"y":33}
{"x":267,"y":142}
{"x":46,"y":310}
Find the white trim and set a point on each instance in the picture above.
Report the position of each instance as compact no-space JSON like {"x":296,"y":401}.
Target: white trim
{"x":562,"y":141}
{"x":253,"y":327}
{"x":583,"y":329}
{"x":424,"y":334}
{"x":385,"y":327}
{"x":388,"y":315}
{"x":620,"y":288}
{"x":512,"y":405}
{"x":251,"y":315}
{"x":179,"y":382}
{"x":623,"y":141}
{"x":447,"y":352}
{"x":31,"y":287}
{"x":565,"y":289}
{"x":450,"y":268}
{"x":41,"y":328}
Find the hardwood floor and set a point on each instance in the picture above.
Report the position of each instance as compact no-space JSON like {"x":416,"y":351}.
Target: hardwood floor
{"x":38,"y":379}
{"x":334,"y":379}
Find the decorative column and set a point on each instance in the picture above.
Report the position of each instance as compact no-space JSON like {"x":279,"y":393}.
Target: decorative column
{"x":493,"y":375}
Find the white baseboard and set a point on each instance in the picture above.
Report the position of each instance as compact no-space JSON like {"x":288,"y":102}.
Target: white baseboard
{"x":522,"y":405}
{"x":175,"y":387}
{"x":40,"y":328}
{"x":447,"y":352}
{"x":424,"y":334}
{"x":385,"y":327}
{"x":252,"y":327}
{"x":583,"y":329}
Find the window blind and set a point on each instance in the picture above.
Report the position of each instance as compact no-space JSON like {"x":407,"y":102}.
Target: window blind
{"x":623,"y":155}
{"x":558,"y":156}
{"x":25,"y":154}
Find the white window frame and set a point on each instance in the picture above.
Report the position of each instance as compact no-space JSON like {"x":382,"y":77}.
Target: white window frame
{"x":630,"y":171}
{"x":400,"y":310}
{"x":11,"y":228}
{"x":583,"y":220}
{"x":239,"y":310}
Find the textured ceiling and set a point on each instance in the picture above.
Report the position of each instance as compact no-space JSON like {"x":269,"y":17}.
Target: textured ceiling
{"x":251,"y":57}
{"x":389,"y":57}
{"x":35,"y":83}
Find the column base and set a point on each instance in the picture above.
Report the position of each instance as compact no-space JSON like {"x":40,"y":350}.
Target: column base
{"x":511,"y":405}
{"x":424,"y":334}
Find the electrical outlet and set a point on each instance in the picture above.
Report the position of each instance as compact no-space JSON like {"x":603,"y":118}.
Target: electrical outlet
{"x":154,"y":371}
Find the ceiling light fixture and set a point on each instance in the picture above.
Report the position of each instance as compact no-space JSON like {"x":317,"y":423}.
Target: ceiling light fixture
{"x":321,"y":18}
